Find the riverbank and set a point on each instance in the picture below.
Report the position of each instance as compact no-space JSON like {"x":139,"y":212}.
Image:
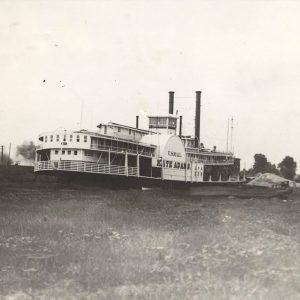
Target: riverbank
{"x":58,"y":242}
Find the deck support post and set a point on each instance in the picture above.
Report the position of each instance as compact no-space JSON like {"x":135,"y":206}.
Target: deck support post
{"x":138,"y":164}
{"x":108,"y":160}
{"x":191,"y":171}
{"x":126,"y":163}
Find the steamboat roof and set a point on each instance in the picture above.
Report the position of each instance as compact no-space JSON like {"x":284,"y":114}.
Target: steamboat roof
{"x":125,"y":126}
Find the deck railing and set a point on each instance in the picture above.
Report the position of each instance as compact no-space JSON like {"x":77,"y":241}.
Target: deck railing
{"x":86,"y":167}
{"x":215,"y":162}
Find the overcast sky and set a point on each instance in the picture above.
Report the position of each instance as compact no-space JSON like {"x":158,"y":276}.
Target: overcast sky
{"x":113,"y":60}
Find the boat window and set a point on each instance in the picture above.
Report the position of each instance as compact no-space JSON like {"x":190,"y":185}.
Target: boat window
{"x":172,"y":122}
{"x":57,"y":137}
{"x":78,"y":138}
{"x":105,"y":130}
{"x":45,"y":139}
{"x":85,"y":138}
{"x":71,"y":137}
{"x":69,"y":152}
{"x":162,"y":121}
{"x":51,"y":138}
{"x":119,"y":129}
{"x":75,"y":152}
{"x":63,"y":152}
{"x":56,"y":152}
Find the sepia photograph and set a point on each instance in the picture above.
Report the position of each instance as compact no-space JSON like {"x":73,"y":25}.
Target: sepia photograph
{"x":149,"y":149}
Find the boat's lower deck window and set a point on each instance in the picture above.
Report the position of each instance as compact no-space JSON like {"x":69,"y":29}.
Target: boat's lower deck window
{"x":75,"y":152}
{"x":56,"y":152}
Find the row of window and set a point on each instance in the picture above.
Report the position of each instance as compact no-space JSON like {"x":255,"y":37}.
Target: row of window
{"x":75,"y":152}
{"x":162,"y":121}
{"x":130,"y":132}
{"x":51,"y":138}
{"x":198,"y":174}
{"x":64,"y":152}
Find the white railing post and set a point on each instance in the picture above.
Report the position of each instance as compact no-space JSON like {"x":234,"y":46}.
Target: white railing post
{"x":126,"y":163}
{"x":138,"y":164}
{"x":108,"y":160}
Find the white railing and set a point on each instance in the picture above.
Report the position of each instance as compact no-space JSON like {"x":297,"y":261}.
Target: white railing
{"x":86,"y":167}
{"x":213,"y":162}
{"x":216,"y":162}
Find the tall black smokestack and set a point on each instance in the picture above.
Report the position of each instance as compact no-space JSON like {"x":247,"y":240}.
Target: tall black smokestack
{"x":171,"y":103}
{"x":180,"y":126}
{"x":137,"y":121}
{"x":197,"y":118}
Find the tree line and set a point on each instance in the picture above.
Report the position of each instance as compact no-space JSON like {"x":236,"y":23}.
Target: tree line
{"x":286,"y":168}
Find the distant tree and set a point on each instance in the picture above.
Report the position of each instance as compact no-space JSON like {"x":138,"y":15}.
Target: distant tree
{"x":288,"y":167}
{"x":271,"y":168}
{"x":6,"y":161}
{"x":249,"y":172}
{"x":27,"y":150}
{"x":260,"y":163}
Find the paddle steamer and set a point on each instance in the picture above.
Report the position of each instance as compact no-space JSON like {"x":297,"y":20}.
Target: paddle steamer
{"x":118,"y":154}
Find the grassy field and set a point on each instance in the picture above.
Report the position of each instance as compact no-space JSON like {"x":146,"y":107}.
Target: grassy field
{"x":60,"y":242}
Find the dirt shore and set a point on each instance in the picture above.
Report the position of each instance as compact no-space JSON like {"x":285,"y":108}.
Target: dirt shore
{"x":60,"y":242}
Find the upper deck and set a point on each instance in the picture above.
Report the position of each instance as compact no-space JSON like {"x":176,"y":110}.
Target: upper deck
{"x":86,"y":140}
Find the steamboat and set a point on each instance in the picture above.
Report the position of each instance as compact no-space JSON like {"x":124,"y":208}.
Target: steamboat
{"x":119,"y":155}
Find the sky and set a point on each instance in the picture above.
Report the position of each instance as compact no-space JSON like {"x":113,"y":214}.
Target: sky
{"x":65,"y":63}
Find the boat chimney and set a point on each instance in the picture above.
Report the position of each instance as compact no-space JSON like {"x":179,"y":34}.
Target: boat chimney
{"x":180,"y":126}
{"x":197,"y":118}
{"x":137,"y":121}
{"x":171,"y":103}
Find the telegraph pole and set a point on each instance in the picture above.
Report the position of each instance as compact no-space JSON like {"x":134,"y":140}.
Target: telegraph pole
{"x":227,"y":136}
{"x":8,"y":161}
